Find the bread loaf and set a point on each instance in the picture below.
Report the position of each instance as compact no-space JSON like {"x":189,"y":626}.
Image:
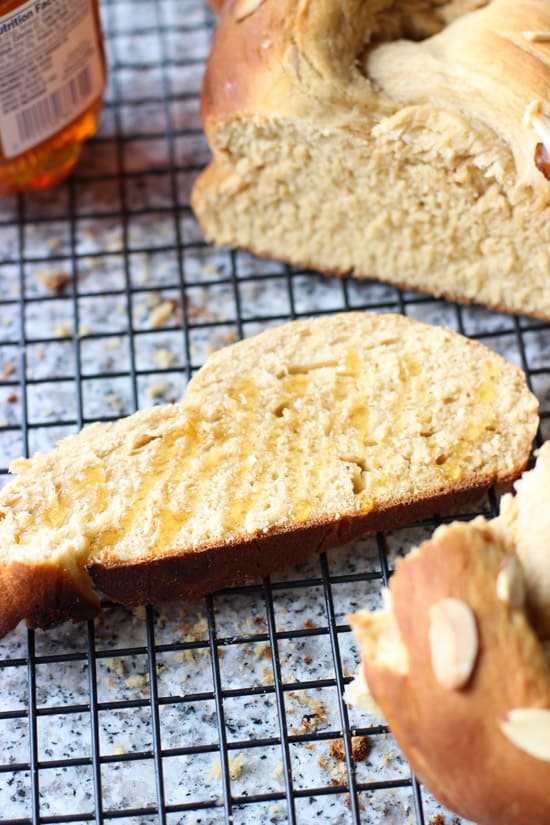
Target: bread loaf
{"x":405,"y":141}
{"x":285,"y":444}
{"x":459,"y":661}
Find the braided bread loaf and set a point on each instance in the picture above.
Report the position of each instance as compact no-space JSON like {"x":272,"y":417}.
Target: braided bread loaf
{"x":404,"y":140}
{"x":459,"y":660}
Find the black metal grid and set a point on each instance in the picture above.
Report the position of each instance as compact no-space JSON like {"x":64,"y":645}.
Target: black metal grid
{"x":123,"y":230}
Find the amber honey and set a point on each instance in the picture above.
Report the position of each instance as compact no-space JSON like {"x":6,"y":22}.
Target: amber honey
{"x":52,"y":79}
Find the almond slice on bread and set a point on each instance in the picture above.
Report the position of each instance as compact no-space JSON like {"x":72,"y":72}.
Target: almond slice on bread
{"x":472,"y":715}
{"x":287,"y":443}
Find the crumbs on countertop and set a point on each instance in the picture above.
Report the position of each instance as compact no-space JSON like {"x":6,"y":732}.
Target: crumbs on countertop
{"x":8,"y":370}
{"x":360,"y":749}
{"x":55,"y":280}
{"x":61,"y":329}
{"x":160,"y":314}
{"x":157,"y":389}
{"x":235,"y":766}
{"x":163,"y":358}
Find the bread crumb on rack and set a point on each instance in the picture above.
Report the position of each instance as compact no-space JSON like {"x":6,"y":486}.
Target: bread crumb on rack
{"x":310,"y":721}
{"x":163,"y":358}
{"x":160,"y":314}
{"x":157,"y":389}
{"x":115,"y":401}
{"x":267,"y":676}
{"x":195,"y":630}
{"x":138,"y":680}
{"x":360,"y":749}
{"x":8,"y":370}
{"x":277,"y":771}
{"x":116,"y":666}
{"x":62,"y":329}
{"x":439,"y":819}
{"x":53,"y":279}
{"x":235,"y":765}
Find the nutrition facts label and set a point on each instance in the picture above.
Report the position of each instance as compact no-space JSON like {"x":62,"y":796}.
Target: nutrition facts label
{"x":50,"y":70}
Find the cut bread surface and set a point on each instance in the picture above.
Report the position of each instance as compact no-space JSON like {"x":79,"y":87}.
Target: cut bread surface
{"x":285,"y":443}
{"x":384,"y":140}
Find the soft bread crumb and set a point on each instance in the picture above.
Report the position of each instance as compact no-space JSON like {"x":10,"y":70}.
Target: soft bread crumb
{"x":117,"y":666}
{"x":138,"y":680}
{"x":160,"y":314}
{"x":157,"y":389}
{"x":62,"y":330}
{"x":163,"y":358}
{"x":53,"y":279}
{"x":277,"y":771}
{"x":235,"y":765}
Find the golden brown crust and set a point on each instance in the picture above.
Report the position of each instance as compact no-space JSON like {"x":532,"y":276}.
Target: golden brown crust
{"x":256,"y":84}
{"x":42,"y":594}
{"x":452,"y":738}
{"x":194,"y":574}
{"x":247,"y":72}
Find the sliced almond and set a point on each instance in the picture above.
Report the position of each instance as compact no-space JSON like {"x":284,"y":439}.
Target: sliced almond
{"x":511,"y":582}
{"x":244,"y":8}
{"x":290,"y":60}
{"x":453,"y":642}
{"x":529,"y":730}
{"x":536,"y":37}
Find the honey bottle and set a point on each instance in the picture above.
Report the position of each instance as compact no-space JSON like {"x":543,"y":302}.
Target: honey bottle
{"x":52,"y":79}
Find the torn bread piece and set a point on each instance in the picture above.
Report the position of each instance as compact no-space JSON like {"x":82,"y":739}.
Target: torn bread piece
{"x":464,"y":679}
{"x":524,"y":524}
{"x":287,"y":443}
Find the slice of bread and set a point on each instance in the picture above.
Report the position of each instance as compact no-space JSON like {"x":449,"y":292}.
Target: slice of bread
{"x":285,"y":444}
{"x":404,"y":141}
{"x":459,"y":664}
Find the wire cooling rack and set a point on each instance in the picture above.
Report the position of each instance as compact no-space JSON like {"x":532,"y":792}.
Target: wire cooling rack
{"x":227,"y":710}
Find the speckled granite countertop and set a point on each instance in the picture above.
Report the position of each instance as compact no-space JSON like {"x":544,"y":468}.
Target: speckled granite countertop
{"x":230,"y":709}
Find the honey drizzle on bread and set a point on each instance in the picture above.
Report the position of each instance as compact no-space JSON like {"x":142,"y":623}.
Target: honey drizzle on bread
{"x":286,"y":443}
